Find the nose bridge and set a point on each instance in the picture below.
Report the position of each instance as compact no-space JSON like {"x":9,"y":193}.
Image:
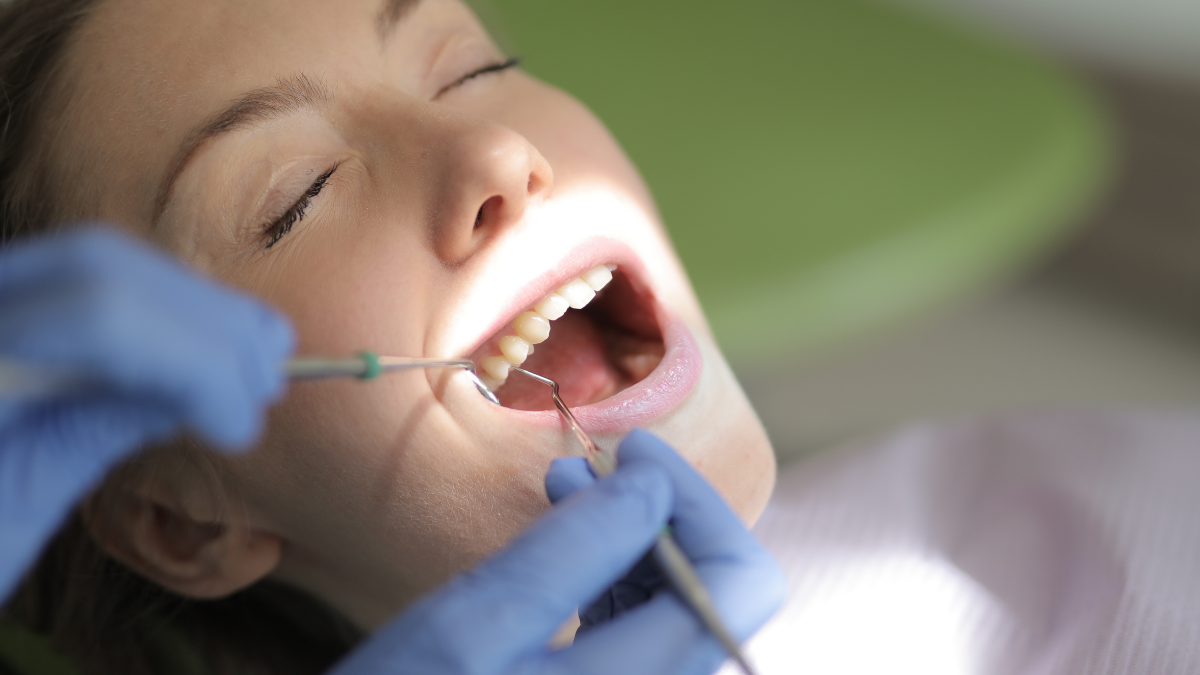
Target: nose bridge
{"x":488,"y":174}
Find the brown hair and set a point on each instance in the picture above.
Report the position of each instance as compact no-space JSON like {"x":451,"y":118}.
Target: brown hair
{"x":33,"y":37}
{"x":92,"y":609}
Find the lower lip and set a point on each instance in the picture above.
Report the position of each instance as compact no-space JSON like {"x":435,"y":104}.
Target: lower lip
{"x":661,"y":391}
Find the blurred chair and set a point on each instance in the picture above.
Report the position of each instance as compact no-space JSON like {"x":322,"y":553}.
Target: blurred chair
{"x":1150,"y":37}
{"x":826,"y":167}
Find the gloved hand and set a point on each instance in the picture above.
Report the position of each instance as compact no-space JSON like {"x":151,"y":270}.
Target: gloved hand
{"x":497,"y":618}
{"x":161,"y":349}
{"x":641,"y":582}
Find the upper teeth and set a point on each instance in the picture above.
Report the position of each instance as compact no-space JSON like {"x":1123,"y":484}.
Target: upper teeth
{"x":533,"y":327}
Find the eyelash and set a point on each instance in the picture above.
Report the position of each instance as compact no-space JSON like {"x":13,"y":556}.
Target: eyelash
{"x":490,"y":68}
{"x":275,"y":231}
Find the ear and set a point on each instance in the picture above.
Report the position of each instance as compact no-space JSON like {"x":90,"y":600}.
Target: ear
{"x":182,"y":544}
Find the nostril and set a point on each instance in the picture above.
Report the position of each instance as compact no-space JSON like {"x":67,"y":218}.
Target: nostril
{"x":535,"y":185}
{"x":489,"y":211}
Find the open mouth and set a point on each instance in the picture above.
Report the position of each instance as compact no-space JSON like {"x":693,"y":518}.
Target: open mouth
{"x":597,"y":335}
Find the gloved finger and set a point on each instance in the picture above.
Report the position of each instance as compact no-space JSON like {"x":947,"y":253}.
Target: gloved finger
{"x":217,"y":400}
{"x":89,"y":256}
{"x":231,"y":373}
{"x":632,"y":590}
{"x":744,"y":580}
{"x":34,"y":262}
{"x":566,"y":475}
{"x":140,"y":322}
{"x":277,"y":343}
{"x":249,"y":340}
{"x":703,"y":523}
{"x":43,"y":474}
{"x":258,"y":338}
{"x":127,"y":346}
{"x":509,"y":606}
{"x":261,"y":336}
{"x":661,"y":637}
{"x":237,"y":371}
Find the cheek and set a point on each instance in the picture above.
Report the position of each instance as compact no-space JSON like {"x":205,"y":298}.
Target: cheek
{"x":346,"y":291}
{"x":383,"y":472}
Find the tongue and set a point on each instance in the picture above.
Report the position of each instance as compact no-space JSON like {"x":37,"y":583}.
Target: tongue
{"x":573,"y":356}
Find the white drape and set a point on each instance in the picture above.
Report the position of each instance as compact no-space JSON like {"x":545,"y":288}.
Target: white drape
{"x":1052,"y":543}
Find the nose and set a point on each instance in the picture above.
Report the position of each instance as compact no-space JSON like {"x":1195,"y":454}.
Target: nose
{"x":489,"y":175}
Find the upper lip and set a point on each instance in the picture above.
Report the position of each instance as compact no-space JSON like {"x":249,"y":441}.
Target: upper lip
{"x":582,"y":257}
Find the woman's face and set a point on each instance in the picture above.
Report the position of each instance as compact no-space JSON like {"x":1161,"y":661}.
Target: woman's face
{"x":372,"y":170}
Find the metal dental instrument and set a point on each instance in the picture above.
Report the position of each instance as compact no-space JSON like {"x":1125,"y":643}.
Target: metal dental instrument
{"x":21,"y":381}
{"x":673,"y":562}
{"x":367,"y":365}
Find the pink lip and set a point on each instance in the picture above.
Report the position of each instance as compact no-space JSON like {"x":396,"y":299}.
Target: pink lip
{"x":662,"y":390}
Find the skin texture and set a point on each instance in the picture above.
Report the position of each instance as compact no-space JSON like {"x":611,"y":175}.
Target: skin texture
{"x":367,"y":495}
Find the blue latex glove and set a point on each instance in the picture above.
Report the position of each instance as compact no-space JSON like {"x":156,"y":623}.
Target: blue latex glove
{"x":640,"y":583}
{"x":497,"y":619}
{"x":162,"y":349}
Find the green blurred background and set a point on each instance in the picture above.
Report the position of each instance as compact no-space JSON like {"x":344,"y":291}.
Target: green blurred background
{"x":825,"y":167}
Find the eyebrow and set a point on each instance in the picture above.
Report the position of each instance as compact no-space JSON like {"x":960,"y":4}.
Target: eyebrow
{"x":391,"y":14}
{"x":288,"y":96}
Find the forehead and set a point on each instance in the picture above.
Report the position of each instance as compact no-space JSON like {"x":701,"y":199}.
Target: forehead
{"x":141,"y":74}
{"x":146,"y":47}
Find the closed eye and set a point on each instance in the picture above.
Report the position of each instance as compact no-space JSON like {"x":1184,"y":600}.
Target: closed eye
{"x":274,"y":231}
{"x":490,"y":68}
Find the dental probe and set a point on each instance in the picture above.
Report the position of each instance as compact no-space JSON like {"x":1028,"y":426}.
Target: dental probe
{"x":23,"y":381}
{"x":671,"y":559}
{"x":367,"y":365}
